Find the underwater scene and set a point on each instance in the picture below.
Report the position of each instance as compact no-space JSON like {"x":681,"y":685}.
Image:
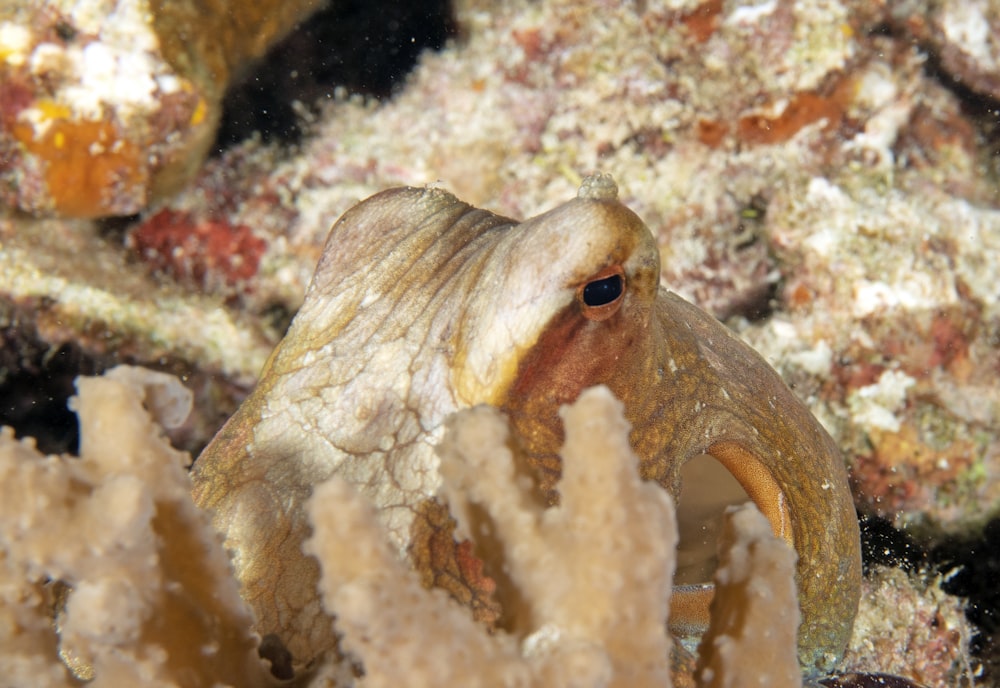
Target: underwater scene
{"x":528,"y":343}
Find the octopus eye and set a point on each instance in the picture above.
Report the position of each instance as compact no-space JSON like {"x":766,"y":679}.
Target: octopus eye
{"x":603,"y":291}
{"x":602,"y":295}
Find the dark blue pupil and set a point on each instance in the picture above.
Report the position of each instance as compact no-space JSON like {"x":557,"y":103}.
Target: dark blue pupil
{"x":602,"y":291}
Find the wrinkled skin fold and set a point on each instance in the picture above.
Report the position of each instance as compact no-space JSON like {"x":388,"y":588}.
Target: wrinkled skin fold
{"x":423,"y":305}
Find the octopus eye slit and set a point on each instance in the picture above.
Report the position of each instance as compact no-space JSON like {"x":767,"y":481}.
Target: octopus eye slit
{"x":601,"y":292}
{"x":601,"y":295}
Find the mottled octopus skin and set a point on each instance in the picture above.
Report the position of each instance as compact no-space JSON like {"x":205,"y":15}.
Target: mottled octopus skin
{"x":422,"y":305}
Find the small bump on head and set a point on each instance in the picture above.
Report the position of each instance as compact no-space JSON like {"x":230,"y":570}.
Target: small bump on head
{"x":598,"y":187}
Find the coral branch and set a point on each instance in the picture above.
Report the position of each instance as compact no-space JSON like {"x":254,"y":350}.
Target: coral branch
{"x":594,"y":572}
{"x":111,"y":548}
{"x":755,"y":611}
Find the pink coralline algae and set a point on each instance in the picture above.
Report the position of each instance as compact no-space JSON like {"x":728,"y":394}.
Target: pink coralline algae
{"x":198,"y":252}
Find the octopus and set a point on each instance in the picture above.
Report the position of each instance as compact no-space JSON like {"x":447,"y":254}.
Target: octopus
{"x":423,"y":305}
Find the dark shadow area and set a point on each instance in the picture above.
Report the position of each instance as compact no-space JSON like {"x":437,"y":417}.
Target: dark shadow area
{"x":884,"y":545}
{"x":982,"y":111}
{"x":362,"y":47}
{"x":36,"y":382}
{"x":971,"y":569}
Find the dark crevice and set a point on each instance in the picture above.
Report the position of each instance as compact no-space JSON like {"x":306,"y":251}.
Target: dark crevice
{"x":758,"y":301}
{"x":969,"y":568}
{"x":975,"y":104}
{"x":365,"y":48}
{"x":755,"y":305}
{"x":884,"y":545}
{"x":36,"y":382}
{"x":981,"y":110}
{"x":37,"y":379}
{"x":113,"y":229}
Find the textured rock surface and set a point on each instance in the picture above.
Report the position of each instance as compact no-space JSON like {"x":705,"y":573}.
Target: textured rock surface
{"x":106,"y":105}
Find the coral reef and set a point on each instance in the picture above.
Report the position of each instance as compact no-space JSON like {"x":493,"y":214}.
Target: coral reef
{"x":833,"y":196}
{"x":963,"y":36}
{"x":897,"y":345}
{"x":110,"y":312}
{"x":905,"y":612}
{"x":822,"y":173}
{"x":754,"y":589}
{"x":196,"y":252}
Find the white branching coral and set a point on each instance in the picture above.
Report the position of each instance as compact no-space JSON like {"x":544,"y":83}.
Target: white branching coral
{"x":106,"y":563}
{"x":755,"y":611}
{"x":108,"y":570}
{"x":594,"y":572}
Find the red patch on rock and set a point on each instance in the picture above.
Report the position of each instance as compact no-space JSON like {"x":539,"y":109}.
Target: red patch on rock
{"x":703,"y":20}
{"x":208,"y":253}
{"x":711,"y":132}
{"x":15,"y":96}
{"x":828,"y":106}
